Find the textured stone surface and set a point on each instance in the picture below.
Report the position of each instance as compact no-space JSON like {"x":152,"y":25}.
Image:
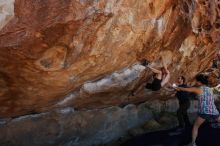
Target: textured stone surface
{"x":67,"y":67}
{"x":67,"y":127}
{"x":82,"y":53}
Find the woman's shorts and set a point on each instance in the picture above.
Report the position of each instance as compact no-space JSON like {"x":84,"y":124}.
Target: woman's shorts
{"x":208,"y":117}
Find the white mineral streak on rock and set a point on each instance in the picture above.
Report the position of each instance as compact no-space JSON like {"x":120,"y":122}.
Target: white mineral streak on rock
{"x":118,"y":79}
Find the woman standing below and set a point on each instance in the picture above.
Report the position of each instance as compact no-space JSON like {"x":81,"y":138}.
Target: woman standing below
{"x":207,"y":109}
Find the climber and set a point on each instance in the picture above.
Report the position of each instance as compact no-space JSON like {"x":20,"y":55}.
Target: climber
{"x":207,"y":109}
{"x":160,"y":78}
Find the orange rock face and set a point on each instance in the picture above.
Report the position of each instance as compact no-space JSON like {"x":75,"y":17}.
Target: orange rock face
{"x":81,"y":53}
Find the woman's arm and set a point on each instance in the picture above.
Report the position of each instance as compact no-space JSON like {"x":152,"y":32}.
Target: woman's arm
{"x":192,"y":90}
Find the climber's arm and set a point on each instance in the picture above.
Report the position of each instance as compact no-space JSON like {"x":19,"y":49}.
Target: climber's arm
{"x":166,"y":79}
{"x":155,"y":70}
